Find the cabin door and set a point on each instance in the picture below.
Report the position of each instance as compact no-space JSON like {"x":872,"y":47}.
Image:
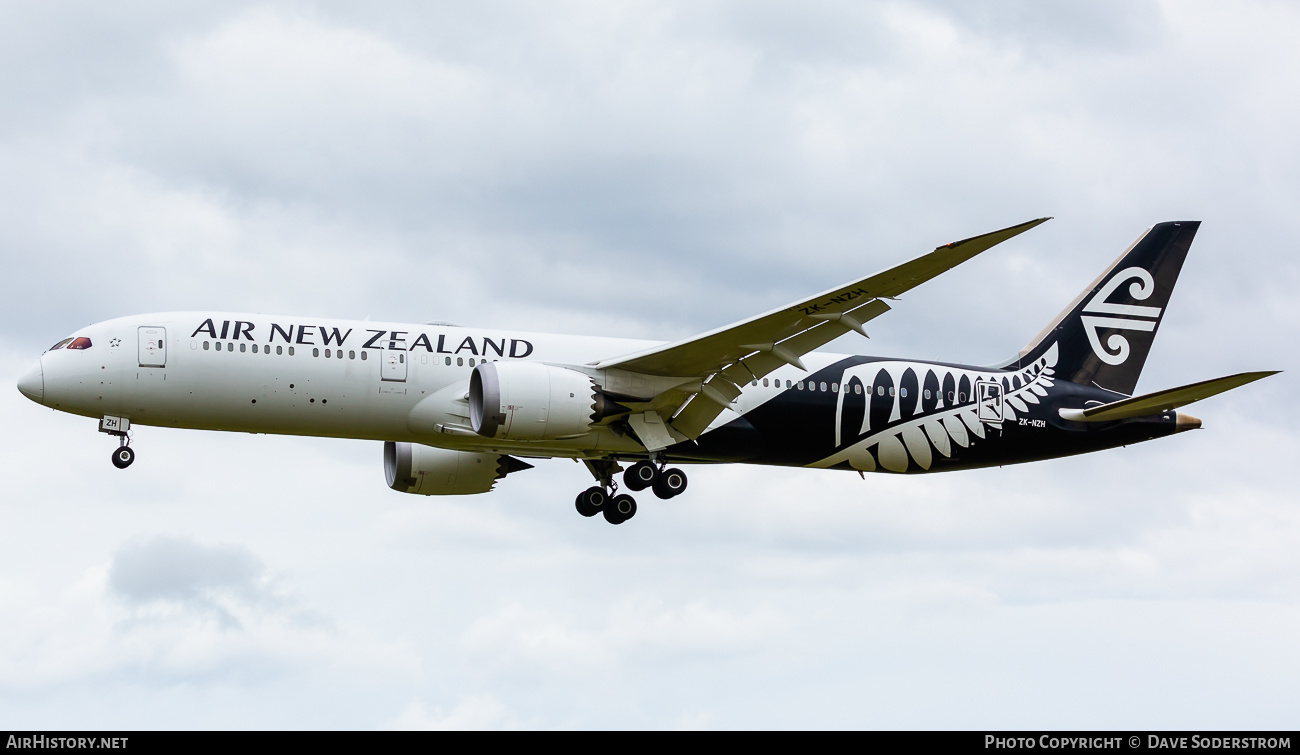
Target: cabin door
{"x":393,"y":368}
{"x":153,"y":347}
{"x":989,"y":393}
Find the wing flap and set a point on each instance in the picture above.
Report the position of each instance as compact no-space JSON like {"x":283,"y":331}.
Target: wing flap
{"x":1162,"y":401}
{"x":696,"y":416}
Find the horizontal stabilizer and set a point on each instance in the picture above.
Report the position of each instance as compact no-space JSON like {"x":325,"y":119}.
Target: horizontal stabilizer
{"x":1162,"y":401}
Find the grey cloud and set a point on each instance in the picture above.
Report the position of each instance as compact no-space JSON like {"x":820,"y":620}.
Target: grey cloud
{"x":179,"y":569}
{"x":1072,"y":25}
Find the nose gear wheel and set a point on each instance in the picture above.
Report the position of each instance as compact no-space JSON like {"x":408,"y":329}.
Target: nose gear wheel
{"x":123,"y":456}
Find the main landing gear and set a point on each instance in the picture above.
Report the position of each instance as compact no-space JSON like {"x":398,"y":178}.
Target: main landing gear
{"x":123,"y":455}
{"x":618,"y":508}
{"x":666,"y":483}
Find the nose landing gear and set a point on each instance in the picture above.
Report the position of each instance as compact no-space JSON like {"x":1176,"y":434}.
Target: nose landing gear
{"x":121,"y":427}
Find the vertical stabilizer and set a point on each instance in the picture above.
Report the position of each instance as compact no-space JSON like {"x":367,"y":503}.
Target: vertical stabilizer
{"x":1104,"y":336}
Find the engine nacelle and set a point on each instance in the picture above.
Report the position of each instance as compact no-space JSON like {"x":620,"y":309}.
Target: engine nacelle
{"x":425,"y":470}
{"x":530,"y":401}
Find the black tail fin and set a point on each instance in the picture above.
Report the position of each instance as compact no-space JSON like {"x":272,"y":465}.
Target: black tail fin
{"x":1104,"y":336}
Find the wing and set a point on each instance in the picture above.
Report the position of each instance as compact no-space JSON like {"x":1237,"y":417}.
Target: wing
{"x":713,"y":365}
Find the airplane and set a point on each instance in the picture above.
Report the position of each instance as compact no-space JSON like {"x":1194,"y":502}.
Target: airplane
{"x":458,"y":409}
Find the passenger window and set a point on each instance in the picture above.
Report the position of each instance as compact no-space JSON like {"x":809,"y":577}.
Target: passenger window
{"x":401,"y":358}
{"x":799,"y":385}
{"x":363,"y":356}
{"x":823,"y":387}
{"x":902,"y":392}
{"x":880,"y":390}
{"x":328,"y":354}
{"x":290,"y":351}
{"x":891,"y":392}
{"x":764,"y":382}
{"x":787,"y":384}
{"x":243,"y":347}
{"x":254,"y":348}
{"x":927,"y":394}
{"x":755,"y":383}
{"x":961,"y":397}
{"x":835,"y":387}
{"x":950,"y":397}
{"x":460,"y":362}
{"x":315,"y":352}
{"x":279,"y":350}
{"x":471,"y":361}
{"x":352,"y":355}
{"x":205,"y":345}
{"x":858,"y":389}
{"x":338,"y":354}
{"x":230,"y":347}
{"x":448,"y":361}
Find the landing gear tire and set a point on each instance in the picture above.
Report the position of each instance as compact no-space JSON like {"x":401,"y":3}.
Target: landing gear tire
{"x":641,"y":475}
{"x":592,"y":501}
{"x":671,"y":483}
{"x":122,"y":457}
{"x":620,"y":509}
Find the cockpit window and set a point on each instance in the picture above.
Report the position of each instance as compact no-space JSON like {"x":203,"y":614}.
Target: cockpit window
{"x":80,"y":343}
{"x":61,"y":344}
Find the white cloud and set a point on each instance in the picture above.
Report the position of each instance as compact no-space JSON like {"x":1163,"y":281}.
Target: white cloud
{"x":473,"y":713}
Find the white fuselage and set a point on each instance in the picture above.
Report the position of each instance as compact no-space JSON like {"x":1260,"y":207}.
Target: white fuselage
{"x":307,"y":376}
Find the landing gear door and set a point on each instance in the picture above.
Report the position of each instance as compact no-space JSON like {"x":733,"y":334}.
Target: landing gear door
{"x":393,"y":368}
{"x":990,"y":400}
{"x":153,"y":347}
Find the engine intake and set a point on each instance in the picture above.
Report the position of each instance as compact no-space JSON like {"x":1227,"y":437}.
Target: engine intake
{"x":530,"y":401}
{"x":425,"y":470}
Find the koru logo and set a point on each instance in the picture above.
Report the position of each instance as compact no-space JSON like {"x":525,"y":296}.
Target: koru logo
{"x":1141,"y":288}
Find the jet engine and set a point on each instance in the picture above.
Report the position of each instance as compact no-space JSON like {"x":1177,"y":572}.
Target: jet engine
{"x":530,"y":401}
{"x":425,"y":470}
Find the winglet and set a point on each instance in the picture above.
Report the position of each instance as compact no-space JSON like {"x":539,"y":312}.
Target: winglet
{"x":911,"y":274}
{"x":1005,"y":234}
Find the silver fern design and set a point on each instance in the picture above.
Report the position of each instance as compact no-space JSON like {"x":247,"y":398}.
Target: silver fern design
{"x":910,"y":417}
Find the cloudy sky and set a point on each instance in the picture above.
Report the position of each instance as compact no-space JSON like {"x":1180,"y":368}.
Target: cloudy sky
{"x":649,"y":170}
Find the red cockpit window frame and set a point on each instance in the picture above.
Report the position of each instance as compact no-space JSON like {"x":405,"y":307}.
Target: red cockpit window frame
{"x":79,"y":343}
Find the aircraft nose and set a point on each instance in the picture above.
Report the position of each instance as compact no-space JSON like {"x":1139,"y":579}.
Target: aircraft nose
{"x":32,"y":384}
